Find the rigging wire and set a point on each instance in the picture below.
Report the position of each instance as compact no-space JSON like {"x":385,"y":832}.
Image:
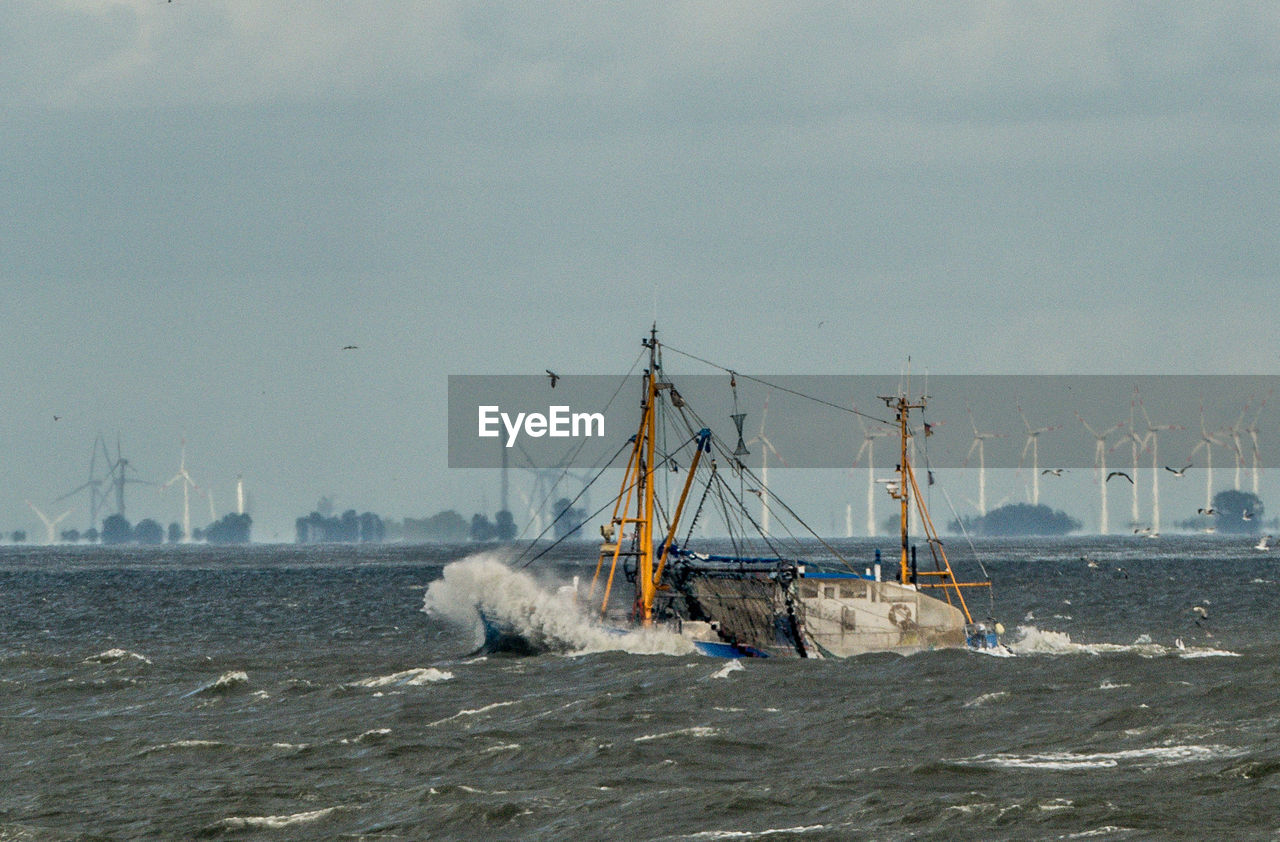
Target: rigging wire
{"x":965,"y":532}
{"x":574,"y":455}
{"x":607,"y":504}
{"x":764,"y":382}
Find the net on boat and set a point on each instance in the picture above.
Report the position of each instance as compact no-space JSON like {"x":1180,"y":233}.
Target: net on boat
{"x":751,"y":605}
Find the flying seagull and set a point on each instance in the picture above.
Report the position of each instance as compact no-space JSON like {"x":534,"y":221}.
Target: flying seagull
{"x":1057,"y":472}
{"x":1181,"y":473}
{"x":1246,"y":515}
{"x":1119,"y":474}
{"x":350,"y":347}
{"x":554,"y":377}
{"x":1264,"y":544}
{"x":1209,"y":511}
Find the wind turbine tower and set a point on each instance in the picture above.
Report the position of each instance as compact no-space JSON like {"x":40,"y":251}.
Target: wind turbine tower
{"x":1033,"y":444}
{"x":1252,"y":430}
{"x":1100,"y":466}
{"x":1136,"y":442}
{"x":869,"y":437}
{"x":1207,"y":442}
{"x":766,"y":448}
{"x":979,"y":443}
{"x":1152,"y":442}
{"x":187,"y":484}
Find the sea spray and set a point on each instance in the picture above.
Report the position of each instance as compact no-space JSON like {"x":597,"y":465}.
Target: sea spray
{"x":551,"y":620}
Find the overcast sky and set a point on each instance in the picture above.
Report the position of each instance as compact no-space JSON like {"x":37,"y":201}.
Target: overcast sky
{"x":204,"y":201}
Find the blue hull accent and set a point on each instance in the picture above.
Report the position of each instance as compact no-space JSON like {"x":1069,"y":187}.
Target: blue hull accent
{"x":728,"y":650}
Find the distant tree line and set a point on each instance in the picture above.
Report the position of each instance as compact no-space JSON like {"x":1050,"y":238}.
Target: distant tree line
{"x":116,"y":529}
{"x":347,"y":528}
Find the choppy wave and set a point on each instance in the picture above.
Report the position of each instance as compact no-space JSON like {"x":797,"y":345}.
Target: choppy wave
{"x":274,"y":822}
{"x":225,"y":683}
{"x":408,"y":678}
{"x":551,"y":620}
{"x":695,"y":731}
{"x":753,"y":834}
{"x":114,"y":656}
{"x":733,"y":666}
{"x":1030,"y":640}
{"x":1143,"y":757}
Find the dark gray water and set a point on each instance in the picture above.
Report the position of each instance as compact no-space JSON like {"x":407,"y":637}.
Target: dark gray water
{"x":302,"y":693}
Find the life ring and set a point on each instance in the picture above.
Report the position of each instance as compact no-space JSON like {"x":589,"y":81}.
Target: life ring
{"x":900,"y":615}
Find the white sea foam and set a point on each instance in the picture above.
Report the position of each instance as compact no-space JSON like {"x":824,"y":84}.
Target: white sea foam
{"x":982,"y":700}
{"x":695,"y":731}
{"x":733,"y":666}
{"x":549,"y":618}
{"x":1143,"y":757}
{"x":230,"y":679}
{"x":185,"y":744}
{"x":408,"y":678}
{"x":471,"y":712}
{"x":1034,"y":641}
{"x":753,"y":834}
{"x":112,"y":656}
{"x":274,"y":822}
{"x":1208,"y":653}
{"x":367,"y":736}
{"x":224,"y":683}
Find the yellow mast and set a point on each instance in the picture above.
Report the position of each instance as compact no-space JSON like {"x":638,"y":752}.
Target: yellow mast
{"x":907,"y":489}
{"x":638,"y":479}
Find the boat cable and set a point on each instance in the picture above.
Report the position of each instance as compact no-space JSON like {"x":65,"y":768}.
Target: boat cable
{"x":611,"y":501}
{"x":565,"y":463}
{"x":960,"y":522}
{"x":533,"y":541}
{"x":742,"y":468}
{"x":762,"y":381}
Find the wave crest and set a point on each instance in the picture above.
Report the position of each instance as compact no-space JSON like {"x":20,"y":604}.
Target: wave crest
{"x":549,"y":620}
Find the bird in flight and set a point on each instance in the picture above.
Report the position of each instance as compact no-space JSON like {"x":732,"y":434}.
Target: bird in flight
{"x":350,"y":347}
{"x":1119,"y":474}
{"x":1209,"y":511}
{"x":1246,"y":515}
{"x":1181,"y":473}
{"x":554,"y":377}
{"x":1057,"y":472}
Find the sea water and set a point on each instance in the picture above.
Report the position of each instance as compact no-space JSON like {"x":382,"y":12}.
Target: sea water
{"x":281,"y":692}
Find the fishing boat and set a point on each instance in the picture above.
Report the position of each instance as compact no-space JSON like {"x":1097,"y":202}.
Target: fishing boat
{"x":775,"y":602}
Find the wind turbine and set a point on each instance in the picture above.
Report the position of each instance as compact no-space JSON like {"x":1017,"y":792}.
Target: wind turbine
{"x":1234,"y":432}
{"x":869,"y":437}
{"x":979,"y":443}
{"x":1100,"y":466}
{"x":1136,"y":442}
{"x":1252,"y":430}
{"x":50,"y":524}
{"x":119,"y":477}
{"x":765,"y":450}
{"x":1033,"y":444}
{"x":187,"y":484}
{"x":97,"y":494}
{"x":1207,"y":441}
{"x":1151,"y":440}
